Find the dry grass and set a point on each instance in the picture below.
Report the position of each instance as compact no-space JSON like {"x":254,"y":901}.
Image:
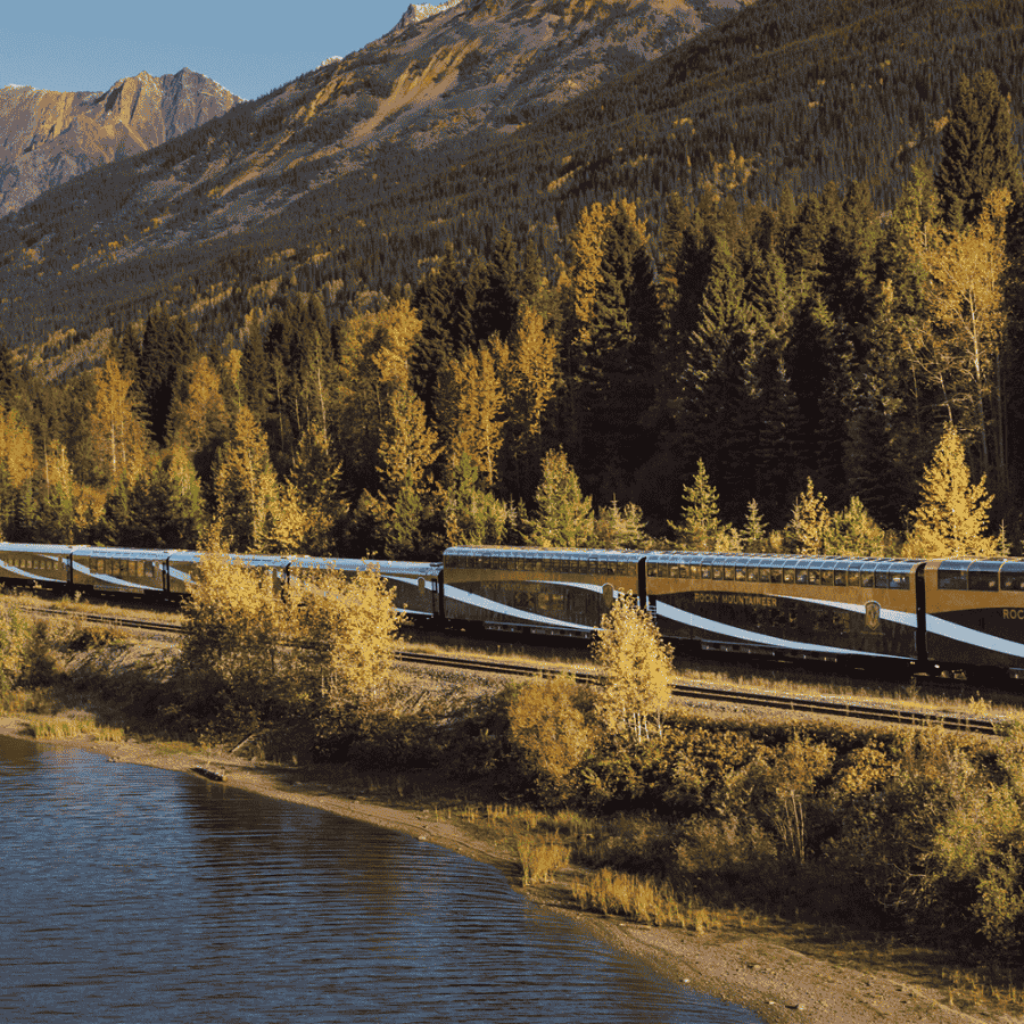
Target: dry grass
{"x":617,"y":893}
{"x":63,"y":727}
{"x":538,"y":860}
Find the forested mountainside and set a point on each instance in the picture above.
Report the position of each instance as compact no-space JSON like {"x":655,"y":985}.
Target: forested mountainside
{"x":482,"y":353}
{"x":47,"y":138}
{"x":455,"y":81}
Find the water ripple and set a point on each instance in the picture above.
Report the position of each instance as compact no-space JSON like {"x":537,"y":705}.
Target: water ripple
{"x":135,"y":895}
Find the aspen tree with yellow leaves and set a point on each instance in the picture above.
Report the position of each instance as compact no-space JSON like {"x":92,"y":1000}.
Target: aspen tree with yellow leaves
{"x":635,"y":664}
{"x":116,"y":437}
{"x":966,"y":344}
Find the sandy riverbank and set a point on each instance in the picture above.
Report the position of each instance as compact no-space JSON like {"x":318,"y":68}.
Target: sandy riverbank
{"x":782,"y":974}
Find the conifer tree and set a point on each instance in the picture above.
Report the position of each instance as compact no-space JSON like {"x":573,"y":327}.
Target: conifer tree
{"x":701,"y":527}
{"x":952,"y":517}
{"x":400,"y":509}
{"x":979,"y":154}
{"x":811,"y":523}
{"x":565,"y":516}
{"x":245,"y":485}
{"x":531,"y":382}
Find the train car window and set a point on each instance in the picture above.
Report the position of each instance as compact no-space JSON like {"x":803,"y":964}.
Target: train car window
{"x":716,"y":572}
{"x":827,"y":577}
{"x":788,"y":575}
{"x":952,"y":579}
{"x":983,"y":577}
{"x":867,"y":579}
{"x":705,"y":572}
{"x":853,"y":578}
{"x":741,"y":572}
{"x":813,"y":577}
{"x":801,"y":575}
{"x":881,"y":579}
{"x":728,"y":572}
{"x":766,"y":574}
{"x":1012,"y":577}
{"x":839,"y":577}
{"x":899,"y":581}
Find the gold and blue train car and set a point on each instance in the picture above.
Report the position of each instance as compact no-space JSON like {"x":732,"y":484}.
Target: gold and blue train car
{"x":975,"y":614}
{"x":45,"y":565}
{"x":560,"y":592}
{"x":182,"y":567}
{"x":829,"y":609}
{"x":415,"y":585}
{"x":120,"y":570}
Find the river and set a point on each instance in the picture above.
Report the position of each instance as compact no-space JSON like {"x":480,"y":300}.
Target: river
{"x":132,"y":894}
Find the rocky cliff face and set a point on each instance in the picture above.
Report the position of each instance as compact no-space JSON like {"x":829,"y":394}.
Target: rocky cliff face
{"x":48,"y":137}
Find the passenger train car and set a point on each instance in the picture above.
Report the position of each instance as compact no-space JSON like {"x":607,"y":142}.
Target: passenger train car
{"x":927,"y":615}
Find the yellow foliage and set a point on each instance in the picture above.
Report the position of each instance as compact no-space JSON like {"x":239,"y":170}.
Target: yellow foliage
{"x":231,"y":630}
{"x":951,"y":520}
{"x":547,"y":729}
{"x":346,"y":629}
{"x":636,"y":664}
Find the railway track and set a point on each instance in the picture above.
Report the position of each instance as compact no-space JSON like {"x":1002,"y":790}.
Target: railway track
{"x":828,"y":706}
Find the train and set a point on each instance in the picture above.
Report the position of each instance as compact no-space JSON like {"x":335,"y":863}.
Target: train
{"x":962,"y":616}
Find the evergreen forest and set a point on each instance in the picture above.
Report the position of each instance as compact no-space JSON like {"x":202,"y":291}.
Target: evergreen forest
{"x":784,"y":321}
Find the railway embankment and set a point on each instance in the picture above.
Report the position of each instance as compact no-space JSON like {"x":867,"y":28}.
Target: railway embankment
{"x":811,"y":870}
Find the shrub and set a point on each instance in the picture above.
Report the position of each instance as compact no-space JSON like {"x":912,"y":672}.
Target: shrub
{"x":346,"y":631}
{"x":548,"y":734}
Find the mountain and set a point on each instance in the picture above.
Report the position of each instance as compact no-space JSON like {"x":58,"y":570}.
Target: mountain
{"x":356,"y":176}
{"x":46,"y":138}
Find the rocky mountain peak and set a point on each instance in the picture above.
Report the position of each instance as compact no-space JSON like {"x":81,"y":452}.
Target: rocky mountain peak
{"x":420,"y":12}
{"x":47,"y":137}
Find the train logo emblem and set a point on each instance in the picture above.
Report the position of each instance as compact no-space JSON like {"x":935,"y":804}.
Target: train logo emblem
{"x":872,"y":614}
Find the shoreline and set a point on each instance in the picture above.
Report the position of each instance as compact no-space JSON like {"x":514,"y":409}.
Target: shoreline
{"x":782,"y":974}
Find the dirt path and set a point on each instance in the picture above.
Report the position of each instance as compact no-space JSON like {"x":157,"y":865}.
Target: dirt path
{"x":783,"y":975}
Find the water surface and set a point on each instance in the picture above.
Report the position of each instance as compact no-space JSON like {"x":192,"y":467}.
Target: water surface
{"x":132,"y":894}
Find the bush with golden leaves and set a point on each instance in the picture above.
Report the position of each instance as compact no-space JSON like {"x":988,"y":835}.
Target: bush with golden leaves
{"x":548,"y":732}
{"x":232,"y":632}
{"x":346,"y":634}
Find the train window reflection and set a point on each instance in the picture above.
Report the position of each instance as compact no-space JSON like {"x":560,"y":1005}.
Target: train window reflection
{"x":788,"y":576}
{"x":728,"y":572}
{"x":766,"y":574}
{"x":1012,"y":577}
{"x":741,"y":572}
{"x":839,"y":577}
{"x":953,"y":579}
{"x":881,"y":579}
{"x":983,"y":577}
{"x":812,"y":577}
{"x":867,"y":579}
{"x":826,"y":577}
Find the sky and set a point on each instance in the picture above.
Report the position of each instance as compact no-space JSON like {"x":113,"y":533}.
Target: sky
{"x":250,"y":49}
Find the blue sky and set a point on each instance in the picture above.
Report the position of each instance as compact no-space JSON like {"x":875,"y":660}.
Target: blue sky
{"x":250,"y":49}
